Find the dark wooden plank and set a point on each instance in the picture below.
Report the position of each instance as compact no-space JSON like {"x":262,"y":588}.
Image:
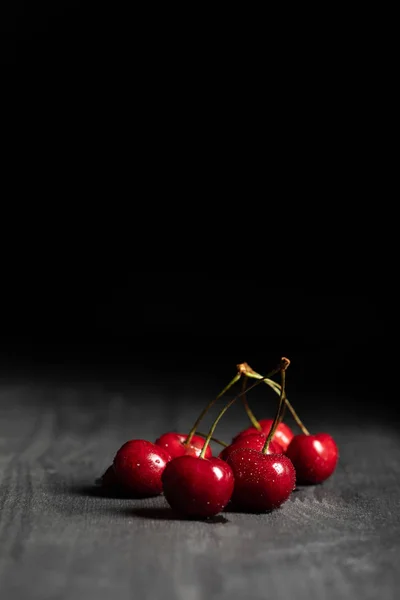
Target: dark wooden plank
{"x":58,"y":540}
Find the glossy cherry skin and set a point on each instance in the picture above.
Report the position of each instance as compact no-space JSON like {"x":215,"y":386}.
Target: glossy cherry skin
{"x":314,"y":457}
{"x":197,"y":487}
{"x":173,"y":443}
{"x":283,"y":433}
{"x":255,"y":441}
{"x":139,"y":465}
{"x":262,"y":481}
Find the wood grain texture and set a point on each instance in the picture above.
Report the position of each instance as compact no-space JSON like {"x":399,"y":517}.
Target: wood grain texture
{"x":59,"y":540}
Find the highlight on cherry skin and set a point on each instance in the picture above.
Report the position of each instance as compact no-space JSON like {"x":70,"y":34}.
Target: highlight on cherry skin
{"x":263,"y":482}
{"x":138,"y":467}
{"x":197,"y":487}
{"x":174,"y":444}
{"x":255,"y":441}
{"x":283,"y":434}
{"x":314,"y":457}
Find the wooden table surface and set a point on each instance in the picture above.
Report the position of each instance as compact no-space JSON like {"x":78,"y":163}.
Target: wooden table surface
{"x":60,"y":540}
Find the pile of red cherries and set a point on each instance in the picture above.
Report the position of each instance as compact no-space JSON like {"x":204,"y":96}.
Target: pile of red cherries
{"x":256,"y":472}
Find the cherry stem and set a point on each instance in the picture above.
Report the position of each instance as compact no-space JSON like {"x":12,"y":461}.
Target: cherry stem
{"x":221,"y":414}
{"x":247,"y":408}
{"x":245,"y":370}
{"x":281,"y":406}
{"x":213,"y":439}
{"x":277,"y":389}
{"x":207,"y":408}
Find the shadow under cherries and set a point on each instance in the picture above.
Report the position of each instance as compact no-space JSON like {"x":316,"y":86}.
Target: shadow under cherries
{"x":166,"y":513}
{"x":96,"y":491}
{"x":161,"y":513}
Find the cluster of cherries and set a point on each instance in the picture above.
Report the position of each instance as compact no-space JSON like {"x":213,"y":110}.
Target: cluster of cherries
{"x":256,"y":472}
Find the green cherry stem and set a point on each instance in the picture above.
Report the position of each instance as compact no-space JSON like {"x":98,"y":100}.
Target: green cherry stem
{"x":277,"y":389}
{"x":281,"y":406}
{"x":213,"y":439}
{"x":246,"y":371}
{"x":207,"y":408}
{"x":221,"y":414}
{"x":247,"y":408}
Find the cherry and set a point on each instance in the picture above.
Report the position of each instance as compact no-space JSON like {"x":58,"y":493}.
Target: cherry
{"x":255,"y":441}
{"x":262,"y":481}
{"x":138,"y":467}
{"x":283,"y":433}
{"x":197,"y":487}
{"x":109,"y":478}
{"x":110,"y":484}
{"x":174,"y":444}
{"x":314,"y":457}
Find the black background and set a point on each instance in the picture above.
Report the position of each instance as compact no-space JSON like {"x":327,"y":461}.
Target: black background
{"x":84,"y":36}
{"x":193,"y":327}
{"x":48,"y":34}
{"x":335,"y":326}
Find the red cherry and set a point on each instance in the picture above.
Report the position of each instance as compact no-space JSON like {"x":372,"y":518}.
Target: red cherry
{"x":197,"y":487}
{"x":262,"y":481}
{"x":283,"y":433}
{"x":110,"y":485}
{"x":173,"y":443}
{"x":139,"y":465}
{"x":109,"y":478}
{"x":314,"y":457}
{"x":255,"y":441}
